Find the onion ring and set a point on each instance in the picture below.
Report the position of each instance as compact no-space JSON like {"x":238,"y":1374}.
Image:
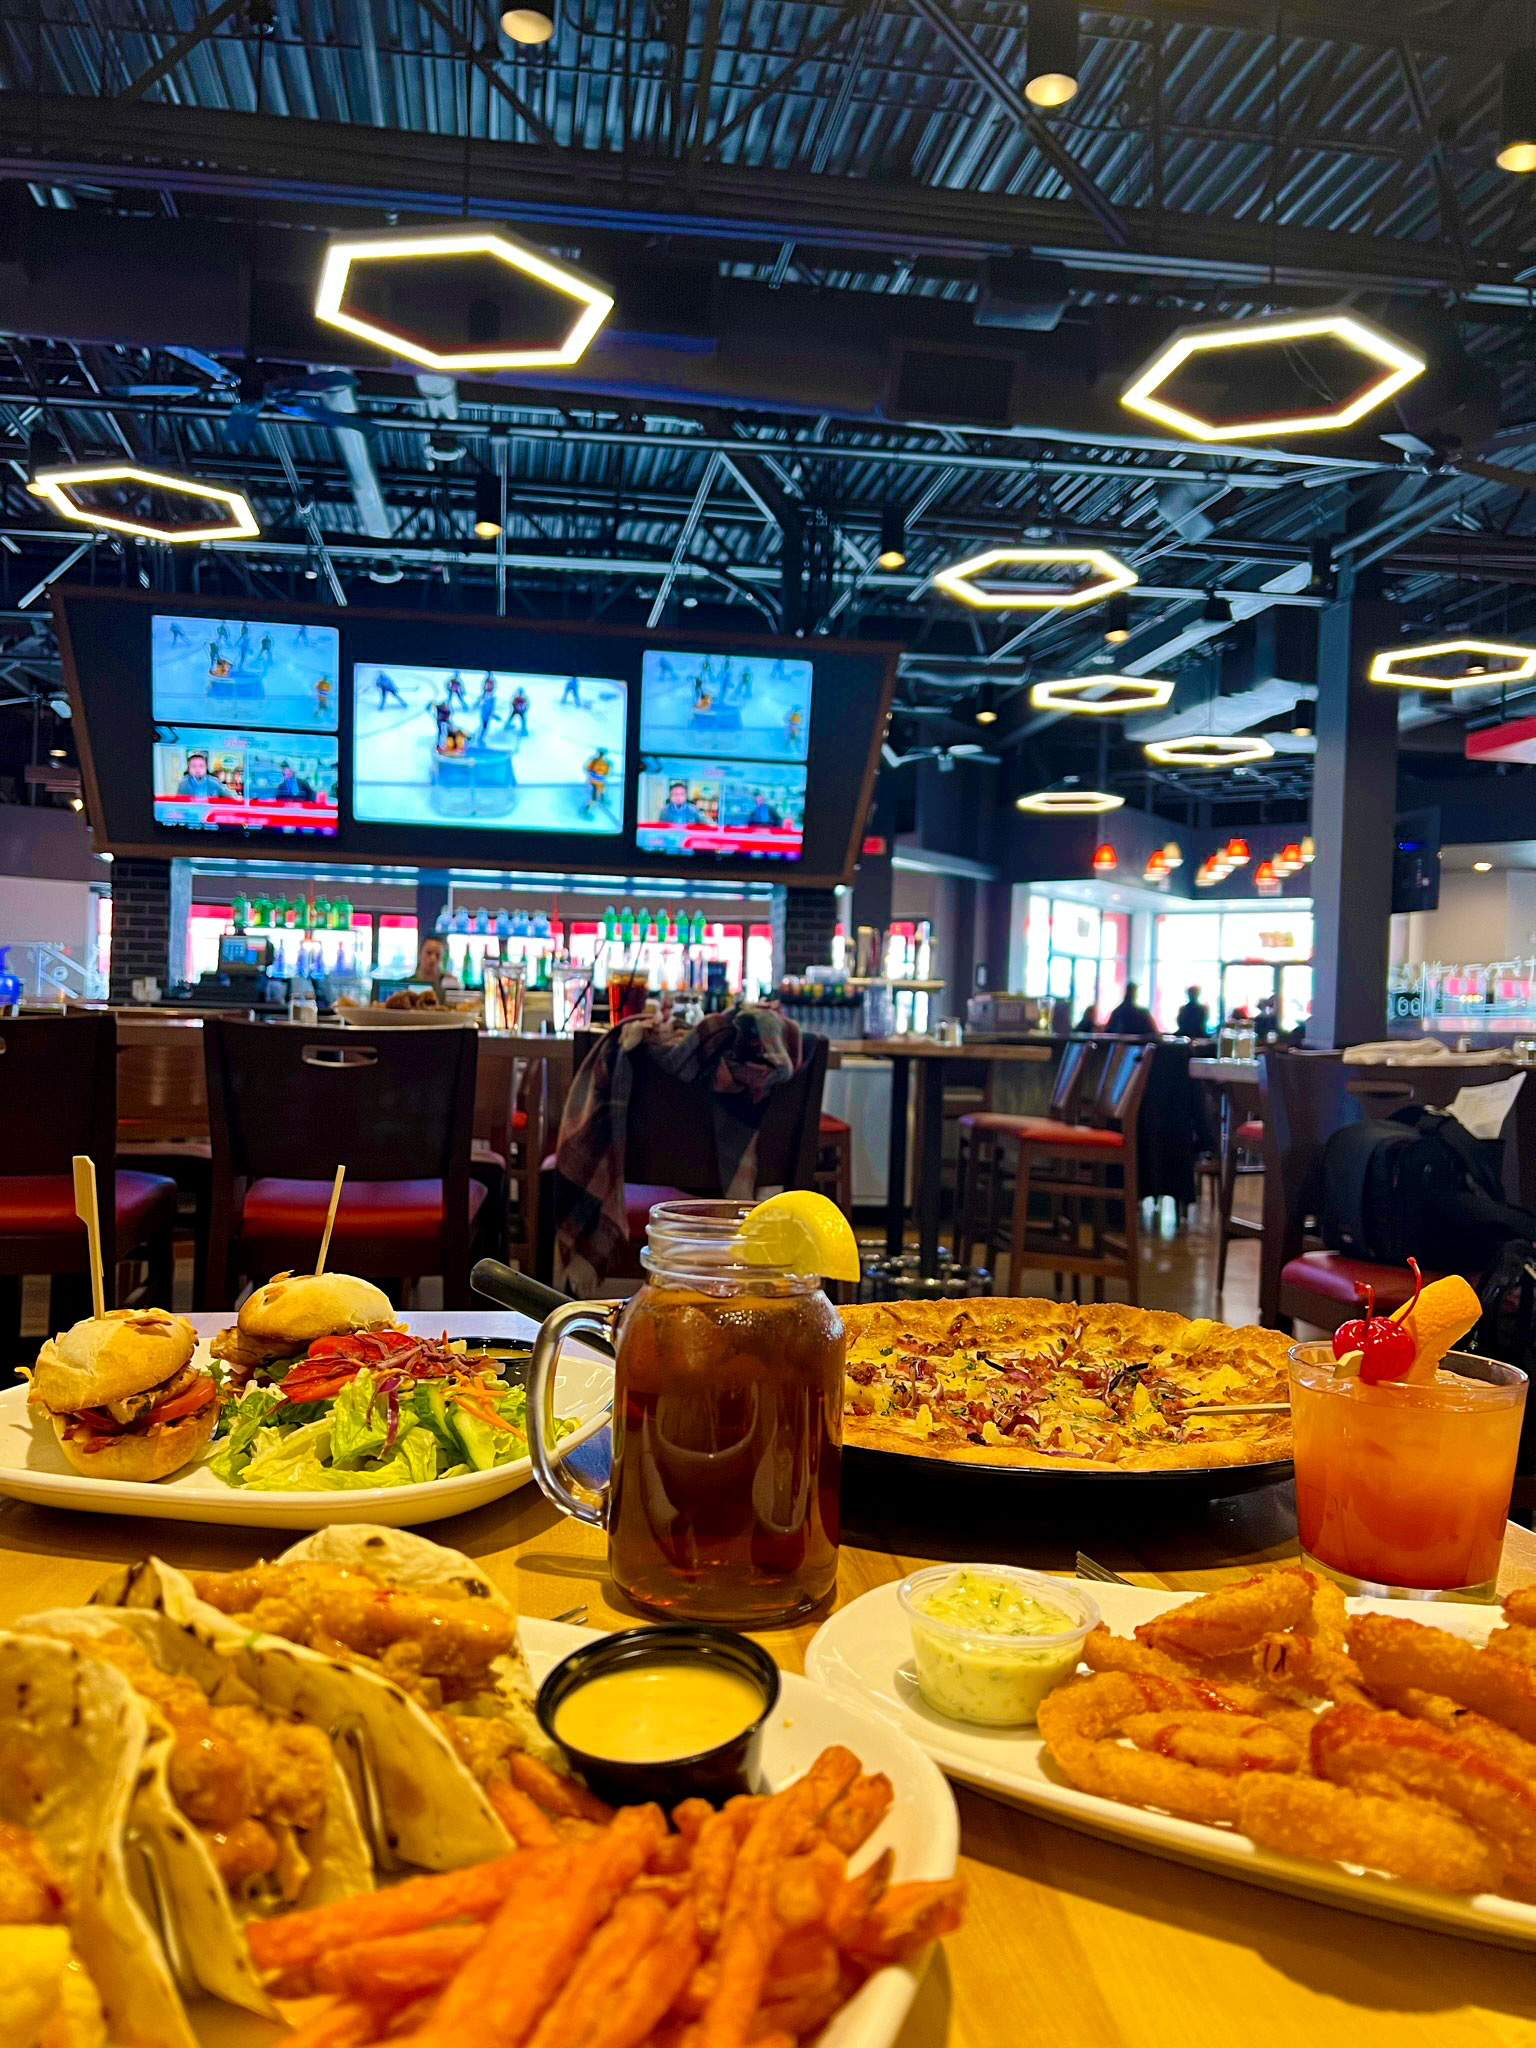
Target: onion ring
{"x":1407,"y":1838}
{"x":1393,"y":1653}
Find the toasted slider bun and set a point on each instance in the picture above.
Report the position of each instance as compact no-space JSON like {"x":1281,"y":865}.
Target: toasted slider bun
{"x":107,"y":1358}
{"x":293,"y":1309}
{"x":148,"y":1454}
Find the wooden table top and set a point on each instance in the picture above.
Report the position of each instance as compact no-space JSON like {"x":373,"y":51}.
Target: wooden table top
{"x":913,"y":1046}
{"x":1202,"y":1069}
{"x":1076,"y":1942}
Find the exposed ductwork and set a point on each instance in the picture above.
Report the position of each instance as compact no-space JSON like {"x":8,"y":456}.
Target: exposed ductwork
{"x":337,"y":393}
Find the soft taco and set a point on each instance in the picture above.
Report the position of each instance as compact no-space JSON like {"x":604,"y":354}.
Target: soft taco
{"x":402,"y":1650}
{"x":248,"y":1811}
{"x":83,"y":1966}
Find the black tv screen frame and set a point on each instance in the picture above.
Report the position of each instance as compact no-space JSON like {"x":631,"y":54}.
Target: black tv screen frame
{"x":104,"y":640}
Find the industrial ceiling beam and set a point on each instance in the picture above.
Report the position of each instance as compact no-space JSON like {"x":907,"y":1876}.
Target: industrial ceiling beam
{"x":182,"y":48}
{"x":60,"y":139}
{"x":1080,"y":183}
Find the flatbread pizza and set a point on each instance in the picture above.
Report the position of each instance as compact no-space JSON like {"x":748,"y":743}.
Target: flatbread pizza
{"x":1092,"y":1387}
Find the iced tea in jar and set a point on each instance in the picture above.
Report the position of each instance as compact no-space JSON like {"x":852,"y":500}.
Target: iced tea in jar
{"x":727,"y":1427}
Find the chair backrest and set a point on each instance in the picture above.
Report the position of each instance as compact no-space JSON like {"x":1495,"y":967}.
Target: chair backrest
{"x":162,"y":1089}
{"x":1126,"y":1073}
{"x":670,"y":1138}
{"x":58,"y":1093}
{"x":1071,"y":1073}
{"x":293,"y":1101}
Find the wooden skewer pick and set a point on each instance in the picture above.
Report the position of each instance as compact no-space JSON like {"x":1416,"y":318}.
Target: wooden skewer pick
{"x":330,"y":1218}
{"x":87,"y":1210}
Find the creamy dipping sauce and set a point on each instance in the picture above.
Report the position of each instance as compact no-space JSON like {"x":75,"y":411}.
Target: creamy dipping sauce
{"x":993,"y":1650}
{"x":652,"y":1713}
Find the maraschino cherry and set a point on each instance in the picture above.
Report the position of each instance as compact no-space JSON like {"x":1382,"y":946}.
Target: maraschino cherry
{"x":1385,"y":1345}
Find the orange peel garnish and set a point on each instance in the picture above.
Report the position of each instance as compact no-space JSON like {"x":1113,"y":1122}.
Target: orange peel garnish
{"x":1441,"y":1317}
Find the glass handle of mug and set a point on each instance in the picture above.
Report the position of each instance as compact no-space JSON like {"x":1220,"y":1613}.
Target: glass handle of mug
{"x":585,"y":1503}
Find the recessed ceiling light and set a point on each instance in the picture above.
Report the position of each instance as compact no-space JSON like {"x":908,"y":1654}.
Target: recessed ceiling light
{"x":1481,"y":867}
{"x":1397,"y":365}
{"x":528,"y":24}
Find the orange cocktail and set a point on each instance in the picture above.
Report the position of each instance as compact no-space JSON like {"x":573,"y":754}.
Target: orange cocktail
{"x":1401,"y":1487}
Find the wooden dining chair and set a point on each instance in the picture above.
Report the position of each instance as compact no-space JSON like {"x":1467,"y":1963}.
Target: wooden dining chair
{"x":58,"y":1098}
{"x":670,"y":1155}
{"x":289,"y":1103}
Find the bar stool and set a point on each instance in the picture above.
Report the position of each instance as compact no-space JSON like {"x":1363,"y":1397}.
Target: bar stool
{"x":834,"y":1161}
{"x":987,"y":1139}
{"x":1090,"y":1173}
{"x":1244,"y":1138}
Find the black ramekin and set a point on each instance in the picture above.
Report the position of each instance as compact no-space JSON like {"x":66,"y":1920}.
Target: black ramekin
{"x":714,"y":1774}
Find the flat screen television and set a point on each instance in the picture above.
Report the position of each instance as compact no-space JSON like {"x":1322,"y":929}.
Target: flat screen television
{"x":494,"y":751}
{"x":724,"y":740}
{"x":435,"y":740}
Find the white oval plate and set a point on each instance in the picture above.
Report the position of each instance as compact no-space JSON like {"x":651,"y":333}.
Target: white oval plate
{"x":864,"y":1652}
{"x":922,"y":1827}
{"x":33,"y":1468}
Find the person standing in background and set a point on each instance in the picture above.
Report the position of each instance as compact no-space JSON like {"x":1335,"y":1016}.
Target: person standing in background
{"x":1129,"y":1019}
{"x":1193,"y":1020}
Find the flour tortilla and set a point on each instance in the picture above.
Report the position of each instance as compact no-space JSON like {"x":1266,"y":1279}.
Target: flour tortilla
{"x":433,"y":1813}
{"x":211,"y":1922}
{"x":74,"y":1740}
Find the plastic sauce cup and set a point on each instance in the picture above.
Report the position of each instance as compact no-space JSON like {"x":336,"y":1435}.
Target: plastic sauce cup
{"x":994,"y":1676}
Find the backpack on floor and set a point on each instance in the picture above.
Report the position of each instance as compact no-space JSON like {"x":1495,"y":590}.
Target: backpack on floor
{"x":1418,"y":1185}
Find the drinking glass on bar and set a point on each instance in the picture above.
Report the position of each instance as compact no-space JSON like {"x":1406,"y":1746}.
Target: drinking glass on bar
{"x":628,"y":992}
{"x":571,"y":994}
{"x":1402,"y":1489}
{"x":504,"y":990}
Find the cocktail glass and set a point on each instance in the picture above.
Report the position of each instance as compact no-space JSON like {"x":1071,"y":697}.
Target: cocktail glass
{"x":571,"y":990}
{"x":1402,"y":1490}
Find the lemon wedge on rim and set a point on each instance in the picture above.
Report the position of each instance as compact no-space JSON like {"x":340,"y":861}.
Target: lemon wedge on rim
{"x":802,"y":1231}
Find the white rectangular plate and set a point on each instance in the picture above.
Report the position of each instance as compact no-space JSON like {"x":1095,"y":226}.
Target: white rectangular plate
{"x":865,"y":1652}
{"x":922,"y":1828}
{"x":33,"y":1468}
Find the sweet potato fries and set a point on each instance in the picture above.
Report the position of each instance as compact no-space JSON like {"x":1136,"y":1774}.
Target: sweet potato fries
{"x":1364,"y":1738}
{"x":615,"y":1930}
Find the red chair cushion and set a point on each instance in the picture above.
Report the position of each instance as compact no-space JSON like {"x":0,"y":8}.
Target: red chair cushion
{"x":1251,"y":1133}
{"x":1333,"y":1276}
{"x":834,"y":1127}
{"x":1045,"y":1130}
{"x":402,"y":1210}
{"x":43,"y":1205}
{"x":640,"y":1198}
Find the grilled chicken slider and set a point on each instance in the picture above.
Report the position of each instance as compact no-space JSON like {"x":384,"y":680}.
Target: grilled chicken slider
{"x":279,"y":1322}
{"x":122,"y":1395}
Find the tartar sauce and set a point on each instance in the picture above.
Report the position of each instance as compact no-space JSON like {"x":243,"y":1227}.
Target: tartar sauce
{"x":989,"y":1645}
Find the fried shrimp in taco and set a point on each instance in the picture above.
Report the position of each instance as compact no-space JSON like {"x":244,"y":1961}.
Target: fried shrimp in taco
{"x":396,"y":1646}
{"x":249,"y":1811}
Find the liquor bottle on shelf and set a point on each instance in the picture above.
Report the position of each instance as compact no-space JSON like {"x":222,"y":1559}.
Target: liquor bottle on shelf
{"x":240,"y":912}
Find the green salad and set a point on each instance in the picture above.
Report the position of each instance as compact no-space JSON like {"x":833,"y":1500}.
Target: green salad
{"x":377,"y":1431}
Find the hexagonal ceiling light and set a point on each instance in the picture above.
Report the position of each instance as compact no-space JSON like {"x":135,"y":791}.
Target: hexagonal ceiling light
{"x":58,"y":482}
{"x":351,"y":254}
{"x":1396,"y":364}
{"x":1068,"y":803}
{"x":1208,"y":750}
{"x":1074,"y":695}
{"x":956,"y":581}
{"x":1519,"y":664}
